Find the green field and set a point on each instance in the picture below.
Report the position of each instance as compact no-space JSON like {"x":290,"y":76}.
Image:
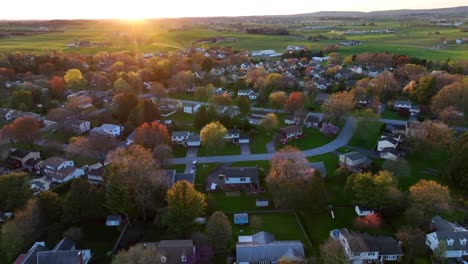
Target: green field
{"x":153,"y":36}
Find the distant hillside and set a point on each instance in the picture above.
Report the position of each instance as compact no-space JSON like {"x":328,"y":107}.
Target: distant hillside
{"x":461,"y":10}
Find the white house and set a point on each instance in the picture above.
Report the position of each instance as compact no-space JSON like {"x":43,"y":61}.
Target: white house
{"x":179,"y":137}
{"x":55,"y":164}
{"x":454,"y":235}
{"x":386,"y":142}
{"x":321,"y":59}
{"x":77,"y":126}
{"x":241,"y":176}
{"x":251,"y":94}
{"x":390,"y":154}
{"x":399,"y":104}
{"x":96,"y":175}
{"x":353,"y":161}
{"x":191,"y":108}
{"x":108,"y":130}
{"x":363,"y":211}
{"x":364,"y":248}
{"x":66,"y":174}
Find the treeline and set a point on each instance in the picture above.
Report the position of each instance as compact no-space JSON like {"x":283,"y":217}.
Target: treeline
{"x":267,"y":31}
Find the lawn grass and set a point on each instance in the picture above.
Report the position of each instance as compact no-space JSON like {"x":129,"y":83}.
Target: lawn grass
{"x":60,"y":137}
{"x":179,"y":151}
{"x":311,"y":138}
{"x":228,"y":149}
{"x":232,"y":204}
{"x":202,"y":172}
{"x":390,"y":114}
{"x":368,"y":138}
{"x":258,"y":143}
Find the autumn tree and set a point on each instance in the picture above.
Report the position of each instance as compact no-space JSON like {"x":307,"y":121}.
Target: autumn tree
{"x":429,"y":135}
{"x":386,"y":85}
{"x":158,"y":90}
{"x":337,"y":106}
{"x":294,"y":102}
{"x":181,"y":81}
{"x":95,"y":146}
{"x":150,"y":135}
{"x":400,"y":168}
{"x":332,"y":252}
{"x":162,"y":153}
{"x":213,"y":135}
{"x":413,"y":240}
{"x":138,"y":254}
{"x":454,"y":95}
{"x":57,"y":87}
{"x":122,"y":86}
{"x":123,"y":105}
{"x":430,"y":196}
{"x":218,"y":230}
{"x":372,"y":190}
{"x":185,"y":204}
{"x":269,"y":122}
{"x":203,"y":92}
{"x":117,"y":196}
{"x":138,"y":171}
{"x":14,"y":191}
{"x":368,"y":222}
{"x":83,"y":201}
{"x":278,"y":99}
{"x":457,"y":168}
{"x":424,"y":91}
{"x":74,"y":79}
{"x":145,"y":111}
{"x":221,"y":100}
{"x":60,"y":114}
{"x":289,"y":173}
{"x":23,"y":129}
{"x":243,"y":102}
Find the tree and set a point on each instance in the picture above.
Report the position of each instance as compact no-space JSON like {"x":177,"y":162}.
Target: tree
{"x":370,"y":221}
{"x":399,"y":168}
{"x":74,"y":233}
{"x":371,"y":190}
{"x":430,"y":196}
{"x":82,"y":202}
{"x":243,"y":102}
{"x":51,"y":204}
{"x":213,"y":135}
{"x":440,"y":252}
{"x":457,"y":169}
{"x":124,"y":103}
{"x":221,"y":100}
{"x":337,"y":106}
{"x":424,"y":91}
{"x":203,"y":92}
{"x":122,"y":86}
{"x":145,"y":111}
{"x":269,"y":122}
{"x":95,"y":146}
{"x":413,"y":240}
{"x":331,"y":252}
{"x":294,"y":102}
{"x":138,"y":171}
{"x":23,"y":129}
{"x":451,"y":116}
{"x":185,"y":204}
{"x":138,"y":254}
{"x":365,"y":120}
{"x":22,"y":97}
{"x":386,"y":86}
{"x":14,"y":191}
{"x":328,"y":129}
{"x":74,"y":79}
{"x":288,"y":174}
{"x":218,"y":229}
{"x":158,"y":90}
{"x":430,"y":135}
{"x":117,"y":196}
{"x":151,"y":135}
{"x":162,"y":153}
{"x":278,"y":99}
{"x":455,"y":95}
{"x":57,"y":87}
{"x":204,"y":116}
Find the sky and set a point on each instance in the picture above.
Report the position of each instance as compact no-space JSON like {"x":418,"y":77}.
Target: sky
{"x":140,"y":9}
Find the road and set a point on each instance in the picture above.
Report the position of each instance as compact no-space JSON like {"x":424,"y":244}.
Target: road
{"x":341,"y":140}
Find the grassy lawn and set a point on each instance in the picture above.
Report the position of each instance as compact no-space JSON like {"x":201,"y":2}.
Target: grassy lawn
{"x":369,"y":139}
{"x":202,"y":172}
{"x":232,"y":204}
{"x":228,"y":149}
{"x":311,"y":138}
{"x":179,"y":151}
{"x":100,"y":239}
{"x":258,"y":142}
{"x":182,"y":117}
{"x":390,"y":114}
{"x":63,"y":138}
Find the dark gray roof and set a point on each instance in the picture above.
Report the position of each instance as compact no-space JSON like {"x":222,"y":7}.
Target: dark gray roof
{"x":97,"y":172}
{"x":447,"y":231}
{"x":264,"y":247}
{"x":60,"y":257}
{"x":173,"y":250}
{"x":169,"y":176}
{"x":32,"y":162}
{"x":291,"y":129}
{"x":354,"y":155}
{"x":64,"y":244}
{"x":366,"y":243}
{"x":193,"y":137}
{"x":31,"y":256}
{"x":390,"y":150}
{"x":232,"y":172}
{"x":180,"y":134}
{"x":190,"y":177}
{"x":389,"y":139}
{"x":54,"y":161}
{"x":20,"y":153}
{"x":64,"y":172}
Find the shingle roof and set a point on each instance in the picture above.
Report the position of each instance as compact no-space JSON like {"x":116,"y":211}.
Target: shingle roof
{"x":20,"y":153}
{"x":180,"y":134}
{"x":190,"y":177}
{"x":251,"y":172}
{"x":60,"y":257}
{"x":54,"y":161}
{"x":354,"y":155}
{"x":291,"y":129}
{"x":64,"y":244}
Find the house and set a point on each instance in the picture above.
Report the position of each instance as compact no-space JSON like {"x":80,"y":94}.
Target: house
{"x":255,"y":117}
{"x":363,"y":211}
{"x":66,"y":174}
{"x":290,"y":120}
{"x":227,"y":111}
{"x":320,"y":59}
{"x":320,"y":98}
{"x":295,"y":48}
{"x":262,"y":247}
{"x":108,"y":130}
{"x":401,"y":104}
{"x":5,"y":216}
{"x":232,"y":134}
{"x":390,"y":154}
{"x":386,"y":142}
{"x":191,"y":108}
{"x":354,"y":161}
{"x":396,"y":129}
{"x":454,"y":235}
{"x":54,"y":164}
{"x":180,"y":137}
{"x":77,"y":126}
{"x":414,"y":110}
{"x":171,"y":177}
{"x":261,"y":202}
{"x":175,"y":251}
{"x":289,"y":133}
{"x":242,"y":176}
{"x":24,"y":155}
{"x":113,"y":220}
{"x":96,"y":176}
{"x":241,"y":219}
{"x":364,"y":248}
{"x":312,"y":121}
{"x":251,"y":94}
{"x":64,"y":252}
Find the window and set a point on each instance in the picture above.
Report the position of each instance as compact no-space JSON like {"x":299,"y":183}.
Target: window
{"x":463,"y":241}
{"x":163,"y":259}
{"x":450,"y":242}
{"x":242,"y":179}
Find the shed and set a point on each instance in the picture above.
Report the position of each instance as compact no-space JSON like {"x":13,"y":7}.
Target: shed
{"x":363,"y":211}
{"x":113,"y":220}
{"x":261,"y":202}
{"x":241,"y":219}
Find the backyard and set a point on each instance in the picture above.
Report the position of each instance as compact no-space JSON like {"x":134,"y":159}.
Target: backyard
{"x":311,"y":138}
{"x":226,"y":150}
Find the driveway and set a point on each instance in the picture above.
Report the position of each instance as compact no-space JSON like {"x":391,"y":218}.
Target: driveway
{"x":192,"y":152}
{"x":270,"y":147}
{"x":245,"y":149}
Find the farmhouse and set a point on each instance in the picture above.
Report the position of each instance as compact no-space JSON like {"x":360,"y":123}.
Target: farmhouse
{"x":262,"y":247}
{"x":364,"y":248}
{"x":454,"y":235}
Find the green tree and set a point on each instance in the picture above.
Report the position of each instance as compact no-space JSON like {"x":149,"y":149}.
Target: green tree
{"x":457,"y":170}
{"x":117,"y":197}
{"x":51,"y":204}
{"x":145,"y":111}
{"x":243,"y":102}
{"x":425,"y":90}
{"x":14,"y":191}
{"x":74,"y":79}
{"x":185,"y":204}
{"x":331,"y":252}
{"x":366,"y":120}
{"x":122,"y":86}
{"x":24,"y":97}
{"x":124,"y":103}
{"x":440,"y":252}
{"x":218,"y":230}
{"x":83,"y":201}
{"x":213,"y":135}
